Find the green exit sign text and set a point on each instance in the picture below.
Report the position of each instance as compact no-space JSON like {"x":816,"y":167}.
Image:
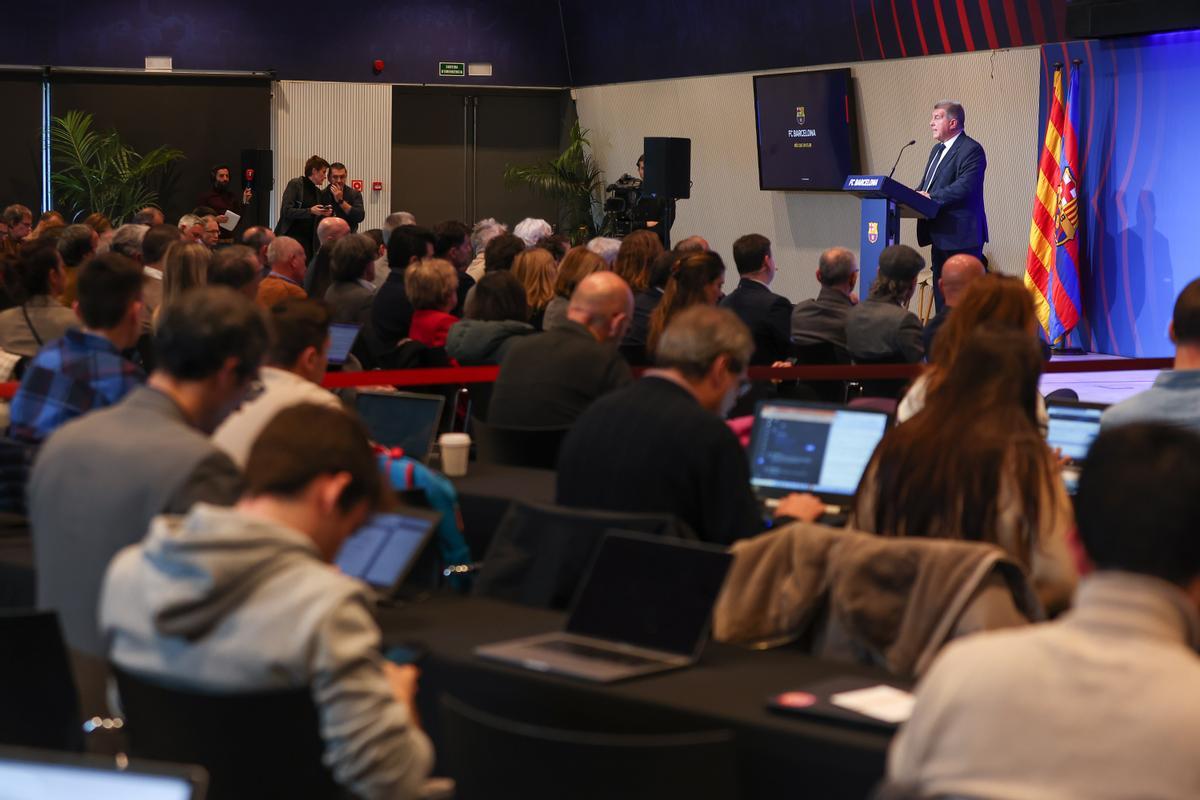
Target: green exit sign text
{"x":452,"y":69}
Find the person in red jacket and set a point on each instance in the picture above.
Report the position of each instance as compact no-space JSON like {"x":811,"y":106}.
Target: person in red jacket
{"x":432,"y":288}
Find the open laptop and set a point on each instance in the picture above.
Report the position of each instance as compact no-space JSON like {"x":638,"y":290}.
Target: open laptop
{"x":812,"y":447}
{"x":341,"y":338}
{"x":402,"y":419}
{"x":1073,"y":427}
{"x":383,"y":551}
{"x":48,"y":775}
{"x":644,"y":607}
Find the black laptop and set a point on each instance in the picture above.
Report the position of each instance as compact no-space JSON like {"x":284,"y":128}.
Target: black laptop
{"x":47,"y":775}
{"x":1073,"y":428}
{"x":644,"y":607}
{"x":818,"y":448}
{"x":383,"y":551}
{"x":406,"y":420}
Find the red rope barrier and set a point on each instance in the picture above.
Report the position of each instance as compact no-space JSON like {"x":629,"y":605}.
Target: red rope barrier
{"x":455,"y":376}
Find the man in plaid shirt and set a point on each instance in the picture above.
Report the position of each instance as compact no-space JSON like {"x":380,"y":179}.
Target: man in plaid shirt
{"x":84,"y":370}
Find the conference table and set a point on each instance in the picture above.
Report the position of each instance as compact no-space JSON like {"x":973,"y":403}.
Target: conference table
{"x":778,"y":756}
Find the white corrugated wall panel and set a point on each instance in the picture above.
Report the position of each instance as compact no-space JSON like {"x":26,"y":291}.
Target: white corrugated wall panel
{"x":346,"y":122}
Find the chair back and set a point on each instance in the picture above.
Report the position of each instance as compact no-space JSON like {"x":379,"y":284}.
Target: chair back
{"x":518,"y":447}
{"x":823,"y":354}
{"x":494,"y":757}
{"x":253,"y":744}
{"x":38,"y":697}
{"x":540,"y":553}
{"x":883,"y":387}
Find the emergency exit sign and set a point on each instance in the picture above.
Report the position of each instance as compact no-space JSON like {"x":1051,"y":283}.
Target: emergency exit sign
{"x":452,"y":69}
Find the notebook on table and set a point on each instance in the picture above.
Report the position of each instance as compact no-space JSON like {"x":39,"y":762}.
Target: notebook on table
{"x":405,"y":420}
{"x":47,"y":775}
{"x":644,"y":607}
{"x":818,"y":448}
{"x":383,"y":551}
{"x":1073,"y":428}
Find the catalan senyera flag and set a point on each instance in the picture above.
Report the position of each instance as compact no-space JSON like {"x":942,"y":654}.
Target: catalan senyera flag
{"x":1052,"y":264}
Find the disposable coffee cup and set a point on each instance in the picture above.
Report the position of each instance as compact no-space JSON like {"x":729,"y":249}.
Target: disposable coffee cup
{"x":456,"y":448}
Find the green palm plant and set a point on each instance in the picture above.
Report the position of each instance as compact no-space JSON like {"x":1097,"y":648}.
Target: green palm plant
{"x":95,"y":171}
{"x":573,"y":179}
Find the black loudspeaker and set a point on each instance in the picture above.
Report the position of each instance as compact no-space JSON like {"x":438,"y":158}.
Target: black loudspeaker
{"x":668,"y":167}
{"x":258,"y":175}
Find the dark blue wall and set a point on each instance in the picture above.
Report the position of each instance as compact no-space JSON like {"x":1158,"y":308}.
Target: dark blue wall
{"x":300,"y":39}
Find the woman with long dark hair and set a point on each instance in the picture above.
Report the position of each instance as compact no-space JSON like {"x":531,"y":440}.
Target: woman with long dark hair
{"x":971,"y":464}
{"x":697,"y":280}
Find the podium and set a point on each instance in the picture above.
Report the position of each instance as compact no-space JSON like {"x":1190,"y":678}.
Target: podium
{"x":884,"y":202}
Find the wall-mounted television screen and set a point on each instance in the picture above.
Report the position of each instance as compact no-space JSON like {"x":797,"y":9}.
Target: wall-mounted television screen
{"x":806,"y":132}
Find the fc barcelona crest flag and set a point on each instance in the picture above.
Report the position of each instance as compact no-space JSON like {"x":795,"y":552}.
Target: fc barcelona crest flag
{"x":872,"y":232}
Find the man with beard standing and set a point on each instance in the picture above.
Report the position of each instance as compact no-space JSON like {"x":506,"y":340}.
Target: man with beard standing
{"x":220,"y":198}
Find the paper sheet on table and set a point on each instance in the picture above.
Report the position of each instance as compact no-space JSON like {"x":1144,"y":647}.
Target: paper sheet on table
{"x":231,"y":220}
{"x":880,"y":702}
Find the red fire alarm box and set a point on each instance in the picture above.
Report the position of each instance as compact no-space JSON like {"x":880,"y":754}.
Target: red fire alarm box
{"x":357,"y":185}
{"x":377,"y":186}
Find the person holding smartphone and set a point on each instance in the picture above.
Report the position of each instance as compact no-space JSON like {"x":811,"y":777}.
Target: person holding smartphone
{"x":345,"y":201}
{"x":304,"y":205}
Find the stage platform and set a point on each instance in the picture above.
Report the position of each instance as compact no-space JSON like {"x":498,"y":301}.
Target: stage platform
{"x":1099,"y":387}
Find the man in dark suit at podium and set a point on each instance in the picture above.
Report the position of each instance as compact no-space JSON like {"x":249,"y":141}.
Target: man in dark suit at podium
{"x":953,"y":177}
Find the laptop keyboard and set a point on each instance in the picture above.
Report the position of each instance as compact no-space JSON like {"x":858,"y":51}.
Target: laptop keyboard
{"x":598,"y":653}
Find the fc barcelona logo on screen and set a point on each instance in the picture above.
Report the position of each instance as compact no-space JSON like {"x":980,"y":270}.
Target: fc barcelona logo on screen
{"x":872,"y":232}
{"x":799,"y":115}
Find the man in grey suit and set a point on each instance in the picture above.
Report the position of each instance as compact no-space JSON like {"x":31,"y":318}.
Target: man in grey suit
{"x":823,"y":318}
{"x":99,"y":479}
{"x":881,"y":329}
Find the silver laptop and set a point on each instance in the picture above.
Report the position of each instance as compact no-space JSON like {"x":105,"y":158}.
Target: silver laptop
{"x":46,"y":775}
{"x":1073,"y":428}
{"x":818,"y":448}
{"x":383,"y":551}
{"x":405,"y":420}
{"x":644,"y":607}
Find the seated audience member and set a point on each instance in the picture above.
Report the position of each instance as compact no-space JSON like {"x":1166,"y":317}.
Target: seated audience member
{"x":127,"y":241}
{"x":881,"y":328}
{"x":532,"y":230}
{"x":432,"y":288}
{"x":154,"y":253}
{"x":47,"y":221}
{"x":149,"y":215}
{"x":393,"y":221}
{"x":577,"y":264}
{"x":235,"y":266}
{"x":822,"y":320}
{"x":1175,"y":395}
{"x":191,"y":228}
{"x":497,"y":321}
{"x":317,"y":277}
{"x":98,"y":222}
{"x":547,"y":380}
{"x":36,"y":278}
{"x":1100,"y":703}
{"x":353,"y":269}
{"x":644,"y":303}
{"x":994,"y":300}
{"x":697,"y":280}
{"x":85,"y":369}
{"x":556,"y":245}
{"x":185,"y":267}
{"x":452,"y":242}
{"x":607,"y":248}
{"x":19,"y":221}
{"x":766,"y":314}
{"x":692,"y":244}
{"x":77,"y":245}
{"x":258,"y":239}
{"x":972,"y":464}
{"x":660,"y":445}
{"x":481,"y":234}
{"x":634,"y":258}
{"x":212,"y":230}
{"x":149,"y":454}
{"x":957,"y":274}
{"x":291,"y":374}
{"x":391,"y":310}
{"x":501,"y":251}
{"x":537,"y":272}
{"x":244,"y":599}
{"x":286,"y":278}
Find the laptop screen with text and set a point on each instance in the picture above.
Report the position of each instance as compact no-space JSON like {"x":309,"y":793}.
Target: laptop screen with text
{"x":810,"y":447}
{"x":341,"y":339}
{"x":1073,"y":428}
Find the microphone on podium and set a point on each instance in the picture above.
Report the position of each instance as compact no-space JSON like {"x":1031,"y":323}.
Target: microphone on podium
{"x":902,"y":149}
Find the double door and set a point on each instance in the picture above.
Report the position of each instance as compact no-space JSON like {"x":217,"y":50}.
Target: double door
{"x":450,"y":147}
